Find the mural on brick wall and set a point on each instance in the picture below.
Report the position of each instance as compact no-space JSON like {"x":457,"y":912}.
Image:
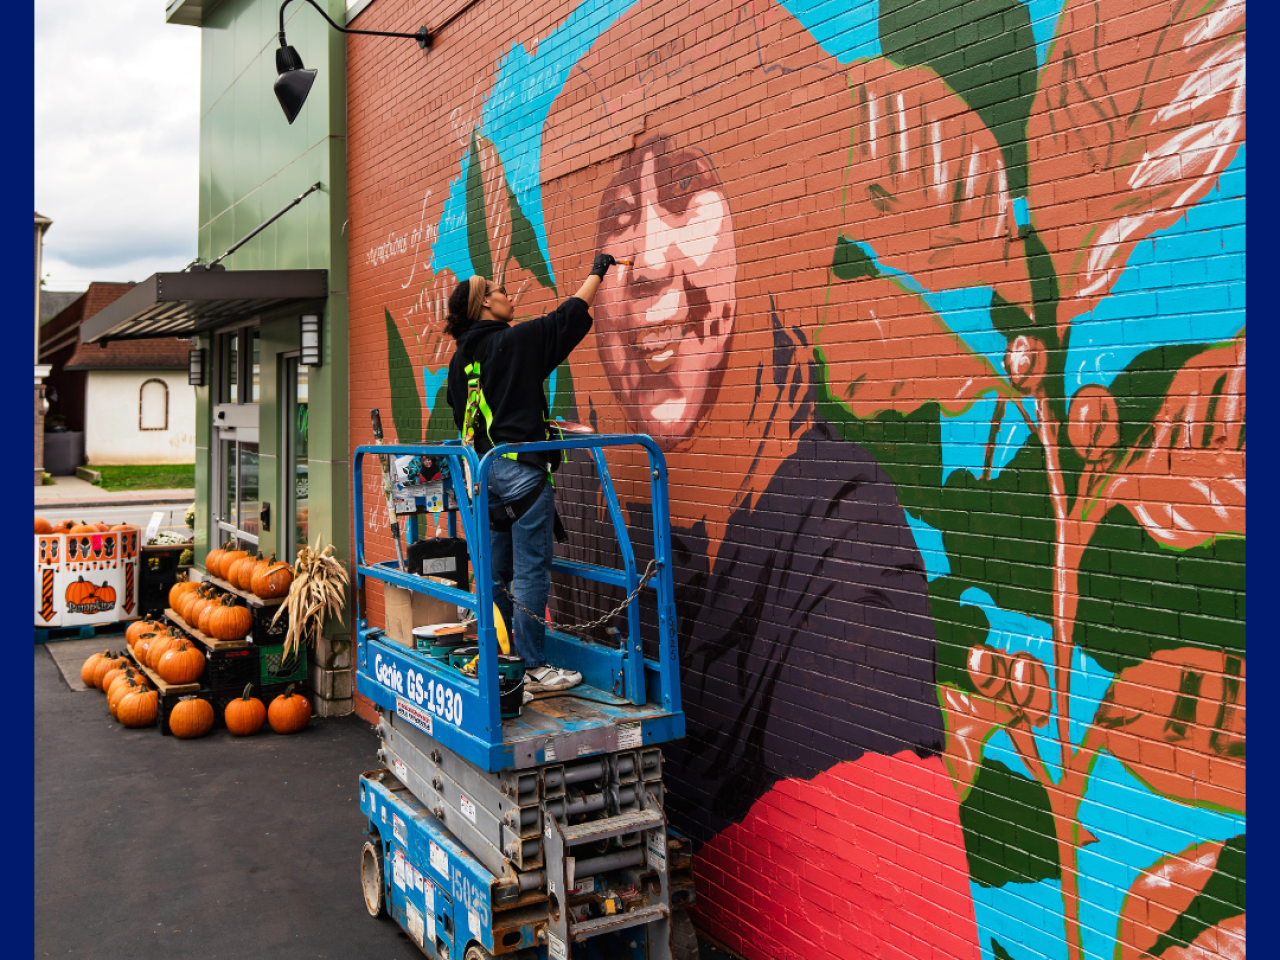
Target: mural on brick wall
{"x":937,"y":309}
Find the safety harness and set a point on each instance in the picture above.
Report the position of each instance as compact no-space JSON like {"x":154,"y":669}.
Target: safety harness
{"x":503,"y":515}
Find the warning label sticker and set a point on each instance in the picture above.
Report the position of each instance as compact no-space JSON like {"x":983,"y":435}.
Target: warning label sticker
{"x":406,"y":710}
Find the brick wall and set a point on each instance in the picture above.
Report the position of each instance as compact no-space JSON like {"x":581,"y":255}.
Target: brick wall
{"x":937,"y":311}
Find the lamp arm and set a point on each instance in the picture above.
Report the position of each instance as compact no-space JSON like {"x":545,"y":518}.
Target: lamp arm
{"x":422,"y":36}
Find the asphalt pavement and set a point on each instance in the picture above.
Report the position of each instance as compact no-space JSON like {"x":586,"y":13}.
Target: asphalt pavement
{"x":147,"y":846}
{"x":151,"y":847}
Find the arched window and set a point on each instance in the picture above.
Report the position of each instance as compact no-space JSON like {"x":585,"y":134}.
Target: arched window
{"x":153,"y":405}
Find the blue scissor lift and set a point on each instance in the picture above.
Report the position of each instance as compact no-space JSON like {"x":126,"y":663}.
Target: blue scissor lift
{"x":540,"y":836}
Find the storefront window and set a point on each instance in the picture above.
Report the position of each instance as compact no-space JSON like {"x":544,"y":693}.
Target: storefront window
{"x":255,"y":394}
{"x":230,"y":513}
{"x":231,"y":371}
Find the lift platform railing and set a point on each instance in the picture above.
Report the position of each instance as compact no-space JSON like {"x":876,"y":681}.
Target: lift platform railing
{"x":642,"y":681}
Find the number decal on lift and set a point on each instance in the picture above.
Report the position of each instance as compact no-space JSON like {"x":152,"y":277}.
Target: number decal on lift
{"x":444,"y":703}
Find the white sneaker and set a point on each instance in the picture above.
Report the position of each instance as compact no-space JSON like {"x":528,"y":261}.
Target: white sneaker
{"x":550,"y":679}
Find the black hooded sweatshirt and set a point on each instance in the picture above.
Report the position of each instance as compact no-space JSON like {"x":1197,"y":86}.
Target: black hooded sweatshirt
{"x":514,"y":362}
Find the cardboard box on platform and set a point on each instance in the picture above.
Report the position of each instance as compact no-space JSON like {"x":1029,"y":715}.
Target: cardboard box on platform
{"x":406,"y":610}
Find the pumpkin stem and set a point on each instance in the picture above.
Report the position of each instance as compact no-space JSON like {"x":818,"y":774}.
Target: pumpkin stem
{"x":289,"y":692}
{"x":248,"y":689}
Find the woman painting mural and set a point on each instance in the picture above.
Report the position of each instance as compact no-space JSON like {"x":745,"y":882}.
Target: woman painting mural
{"x":805,"y":634}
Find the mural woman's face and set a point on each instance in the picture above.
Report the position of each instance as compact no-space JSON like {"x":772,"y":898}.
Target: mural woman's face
{"x":665,"y":321}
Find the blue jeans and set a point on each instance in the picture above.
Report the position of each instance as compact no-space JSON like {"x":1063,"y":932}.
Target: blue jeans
{"x":521,"y":556}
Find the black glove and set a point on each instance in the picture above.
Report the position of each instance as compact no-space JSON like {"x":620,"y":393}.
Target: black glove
{"x":601,"y":265}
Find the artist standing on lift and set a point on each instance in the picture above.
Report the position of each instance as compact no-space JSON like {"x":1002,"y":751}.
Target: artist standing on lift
{"x":495,"y":391}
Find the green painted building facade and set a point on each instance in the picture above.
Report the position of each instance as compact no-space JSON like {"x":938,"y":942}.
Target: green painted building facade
{"x":271,"y":441}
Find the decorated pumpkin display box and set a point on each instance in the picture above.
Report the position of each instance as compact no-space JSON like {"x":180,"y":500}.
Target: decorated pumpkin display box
{"x":86,"y":573}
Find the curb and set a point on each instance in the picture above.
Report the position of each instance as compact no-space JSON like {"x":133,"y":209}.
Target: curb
{"x":78,"y":503}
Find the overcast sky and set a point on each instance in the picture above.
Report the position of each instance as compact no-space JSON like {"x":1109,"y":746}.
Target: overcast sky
{"x":117,"y":123}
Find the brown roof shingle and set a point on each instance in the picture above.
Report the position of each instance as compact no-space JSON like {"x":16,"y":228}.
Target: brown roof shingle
{"x":63,"y":331}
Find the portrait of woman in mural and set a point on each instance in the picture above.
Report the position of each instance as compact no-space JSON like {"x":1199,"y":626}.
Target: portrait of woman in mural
{"x":804,"y":625}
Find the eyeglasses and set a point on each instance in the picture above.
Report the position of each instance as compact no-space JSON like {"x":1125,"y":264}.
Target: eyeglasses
{"x":492,"y":290}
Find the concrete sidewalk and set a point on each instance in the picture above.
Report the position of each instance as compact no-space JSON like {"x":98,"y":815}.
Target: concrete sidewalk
{"x":70,"y":492}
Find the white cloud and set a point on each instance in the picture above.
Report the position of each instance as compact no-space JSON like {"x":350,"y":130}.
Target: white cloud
{"x":117,"y":136}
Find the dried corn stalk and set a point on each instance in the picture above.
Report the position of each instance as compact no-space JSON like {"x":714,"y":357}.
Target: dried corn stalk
{"x":316,"y":593}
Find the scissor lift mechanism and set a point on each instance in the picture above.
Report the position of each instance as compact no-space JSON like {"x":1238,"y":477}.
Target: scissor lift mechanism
{"x":541,"y":836}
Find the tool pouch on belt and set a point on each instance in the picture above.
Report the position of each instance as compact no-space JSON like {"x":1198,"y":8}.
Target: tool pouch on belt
{"x":503,"y":515}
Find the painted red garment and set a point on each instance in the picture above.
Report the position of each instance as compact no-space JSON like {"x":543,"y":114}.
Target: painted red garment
{"x":865,"y":860}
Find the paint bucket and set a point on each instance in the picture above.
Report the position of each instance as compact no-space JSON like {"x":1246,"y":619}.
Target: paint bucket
{"x":438,"y":648}
{"x":510,"y":678}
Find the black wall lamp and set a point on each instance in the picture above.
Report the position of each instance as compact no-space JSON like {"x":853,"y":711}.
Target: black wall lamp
{"x":195,"y":368}
{"x":310,"y":340}
{"x":294,"y":82}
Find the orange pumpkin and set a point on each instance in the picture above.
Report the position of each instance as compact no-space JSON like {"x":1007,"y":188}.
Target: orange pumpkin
{"x":289,"y":712}
{"x":177,"y":590}
{"x":272,"y":581}
{"x":246,"y":715}
{"x":86,"y":671}
{"x":191,"y":717}
{"x":181,"y":664}
{"x":159,"y":648}
{"x":106,"y":593}
{"x":123,"y":526}
{"x":43,"y":525}
{"x":185,"y":599}
{"x":118,"y":691}
{"x":62,"y":526}
{"x":203,"y":623}
{"x":102,"y":527}
{"x":229,"y":621}
{"x":137,"y":629}
{"x":106,"y":664}
{"x":210,"y":561}
{"x":114,"y":674}
{"x":246,"y":570}
{"x":138,"y":708}
{"x":142,"y":645}
{"x":228,"y":558}
{"x":196,"y":607}
{"x":84,"y":528}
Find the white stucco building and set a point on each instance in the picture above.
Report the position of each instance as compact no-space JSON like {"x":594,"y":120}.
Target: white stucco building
{"x":138,"y":405}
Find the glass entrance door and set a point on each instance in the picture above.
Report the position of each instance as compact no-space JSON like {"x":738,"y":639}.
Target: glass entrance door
{"x":294,"y":429}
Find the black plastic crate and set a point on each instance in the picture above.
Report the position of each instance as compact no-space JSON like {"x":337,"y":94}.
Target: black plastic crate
{"x":157,"y":573}
{"x":231,"y":668}
{"x":263,"y":633}
{"x":276,"y":669}
{"x":168,"y":702}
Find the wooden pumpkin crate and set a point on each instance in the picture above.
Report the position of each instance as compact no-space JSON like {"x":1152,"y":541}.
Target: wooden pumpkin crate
{"x":262,"y":632}
{"x":169,"y":701}
{"x":228,"y":662}
{"x":169,"y":693}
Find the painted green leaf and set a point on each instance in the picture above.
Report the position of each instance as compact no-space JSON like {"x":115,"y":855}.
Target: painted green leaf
{"x":406,"y":408}
{"x":985,"y":50}
{"x":851,"y":262}
{"x":524,"y":244}
{"x":998,"y":951}
{"x":1008,"y":829}
{"x":477,"y":223}
{"x":957,"y":627}
{"x":441,"y":425}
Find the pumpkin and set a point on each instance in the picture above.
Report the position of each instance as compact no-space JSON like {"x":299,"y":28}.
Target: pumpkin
{"x":159,"y":648}
{"x":289,"y":712}
{"x":106,"y":593}
{"x":185,"y":599}
{"x":81,"y":592}
{"x":229,"y":621}
{"x":246,"y":570}
{"x":43,"y":525}
{"x":178,"y":589}
{"x":108,"y":662}
{"x":211,"y":560}
{"x":228,"y":558}
{"x":84,"y":528}
{"x":122,"y":526}
{"x":127,"y":672}
{"x":191,"y":718}
{"x":118,"y":691}
{"x":137,"y":629}
{"x":196,"y":607}
{"x":86,"y":671}
{"x":138,"y":708}
{"x":102,"y":527}
{"x":246,"y":715}
{"x":233,"y":569}
{"x":142,"y":645}
{"x":272,"y":581}
{"x":203,"y":623}
{"x":112,"y":675}
{"x":63,"y":526}
{"x":181,"y":664}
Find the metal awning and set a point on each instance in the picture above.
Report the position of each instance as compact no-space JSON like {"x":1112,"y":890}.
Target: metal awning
{"x":186,"y":304}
